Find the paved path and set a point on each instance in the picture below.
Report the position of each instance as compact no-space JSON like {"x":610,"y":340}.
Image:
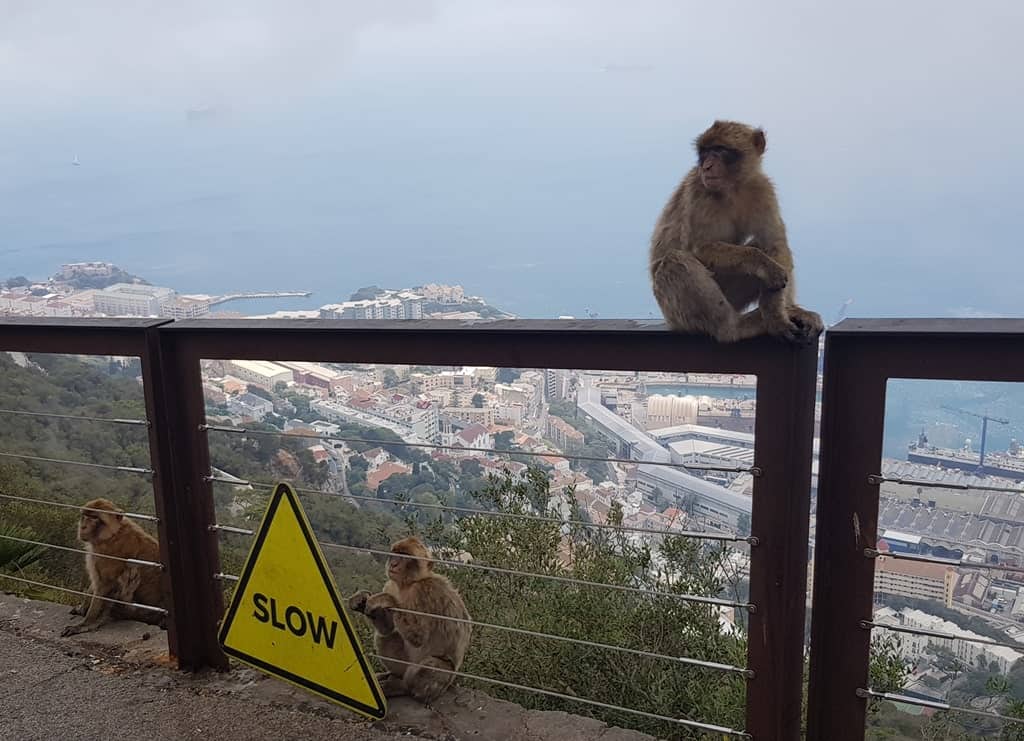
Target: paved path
{"x":117,"y":683}
{"x":47,"y":694}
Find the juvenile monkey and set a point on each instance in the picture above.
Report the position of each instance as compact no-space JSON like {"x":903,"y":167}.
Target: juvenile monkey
{"x":720,"y":246}
{"x":105,"y":532}
{"x":414,"y":639}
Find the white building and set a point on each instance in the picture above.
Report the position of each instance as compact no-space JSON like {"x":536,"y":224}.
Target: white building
{"x":249,"y":406}
{"x":421,"y":417}
{"x":389,"y":305}
{"x":716,"y":505}
{"x":131,"y":299}
{"x":473,"y":436}
{"x":671,"y":411}
{"x":916,"y":646}
{"x":186,"y":307}
{"x":376,"y":457}
{"x":261,"y":372}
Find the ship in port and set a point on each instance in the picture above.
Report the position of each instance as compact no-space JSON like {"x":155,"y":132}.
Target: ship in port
{"x":1008,"y":464}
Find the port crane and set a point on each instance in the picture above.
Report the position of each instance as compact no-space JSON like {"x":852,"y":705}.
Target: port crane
{"x":985,"y":419}
{"x":841,"y":314}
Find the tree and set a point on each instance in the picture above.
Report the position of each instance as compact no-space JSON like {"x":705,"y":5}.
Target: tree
{"x":258,"y":391}
{"x":478,"y":400}
{"x":508,"y":375}
{"x":690,"y":504}
{"x":14,"y":554}
{"x":604,"y":615}
{"x":503,"y":440}
{"x":743,"y":524}
{"x":390,"y":378}
{"x":18,"y":281}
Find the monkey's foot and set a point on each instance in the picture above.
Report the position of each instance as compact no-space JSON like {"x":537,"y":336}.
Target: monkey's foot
{"x":72,"y":630}
{"x":791,"y":330}
{"x":393,"y":686}
{"x":357,"y":602}
{"x":810,"y":321}
{"x":808,"y":324}
{"x":77,"y":610}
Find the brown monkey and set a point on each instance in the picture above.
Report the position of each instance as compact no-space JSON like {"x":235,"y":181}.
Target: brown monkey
{"x":720,"y":245}
{"x":423,"y":641}
{"x":105,"y":532}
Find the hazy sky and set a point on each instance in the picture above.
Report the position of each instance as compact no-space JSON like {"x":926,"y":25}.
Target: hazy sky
{"x":508,"y":145}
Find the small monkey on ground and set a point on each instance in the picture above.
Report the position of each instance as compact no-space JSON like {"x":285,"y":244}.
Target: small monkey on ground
{"x":720,"y":246}
{"x":426,"y":642}
{"x":106,"y":532}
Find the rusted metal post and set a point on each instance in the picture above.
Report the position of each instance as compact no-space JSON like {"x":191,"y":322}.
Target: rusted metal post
{"x":861,"y":355}
{"x":162,"y":464}
{"x":784,"y":436}
{"x":853,"y":418}
{"x":185,"y":501}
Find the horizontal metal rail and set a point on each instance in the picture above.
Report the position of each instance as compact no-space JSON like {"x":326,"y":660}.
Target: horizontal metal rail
{"x":869,"y":624}
{"x":160,"y":610}
{"x":133,"y":561}
{"x":935,"y":705}
{"x":748,"y":673}
{"x":527,"y":454}
{"x":530,"y":574}
{"x":77,"y":417}
{"x":875,"y":553}
{"x":49,"y":503}
{"x":595,"y":703}
{"x":876,"y":479}
{"x":107,"y":467}
{"x":552,"y":577}
{"x":509,"y":515}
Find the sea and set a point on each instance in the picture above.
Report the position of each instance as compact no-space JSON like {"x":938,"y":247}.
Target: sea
{"x":537,"y":230}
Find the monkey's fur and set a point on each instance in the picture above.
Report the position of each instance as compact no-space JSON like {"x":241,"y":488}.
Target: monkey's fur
{"x":720,"y":245}
{"x":105,"y":532}
{"x":418,"y":643}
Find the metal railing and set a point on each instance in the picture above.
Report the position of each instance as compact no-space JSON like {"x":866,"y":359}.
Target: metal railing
{"x":183,"y":481}
{"x":861,"y":356}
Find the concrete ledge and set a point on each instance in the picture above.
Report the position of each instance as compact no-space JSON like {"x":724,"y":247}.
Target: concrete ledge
{"x":137,"y":655}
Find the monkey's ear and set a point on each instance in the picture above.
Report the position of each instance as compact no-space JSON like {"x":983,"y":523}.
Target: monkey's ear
{"x":760,"y":142}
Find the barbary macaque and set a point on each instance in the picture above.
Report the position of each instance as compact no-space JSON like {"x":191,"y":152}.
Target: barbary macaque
{"x":419,"y":644}
{"x":720,"y":245}
{"x":105,"y":531}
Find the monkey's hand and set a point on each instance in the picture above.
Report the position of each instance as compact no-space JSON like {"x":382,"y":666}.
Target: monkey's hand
{"x":357,"y":602}
{"x":773,"y":275}
{"x":378,"y":610}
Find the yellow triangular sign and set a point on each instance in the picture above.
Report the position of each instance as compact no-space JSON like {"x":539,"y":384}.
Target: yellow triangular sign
{"x":286,"y":619}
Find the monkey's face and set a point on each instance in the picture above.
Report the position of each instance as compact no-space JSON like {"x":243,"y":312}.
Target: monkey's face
{"x":89,"y":527}
{"x":94,"y":526}
{"x":727,"y":153}
{"x":717,"y":166}
{"x":401,"y":570}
